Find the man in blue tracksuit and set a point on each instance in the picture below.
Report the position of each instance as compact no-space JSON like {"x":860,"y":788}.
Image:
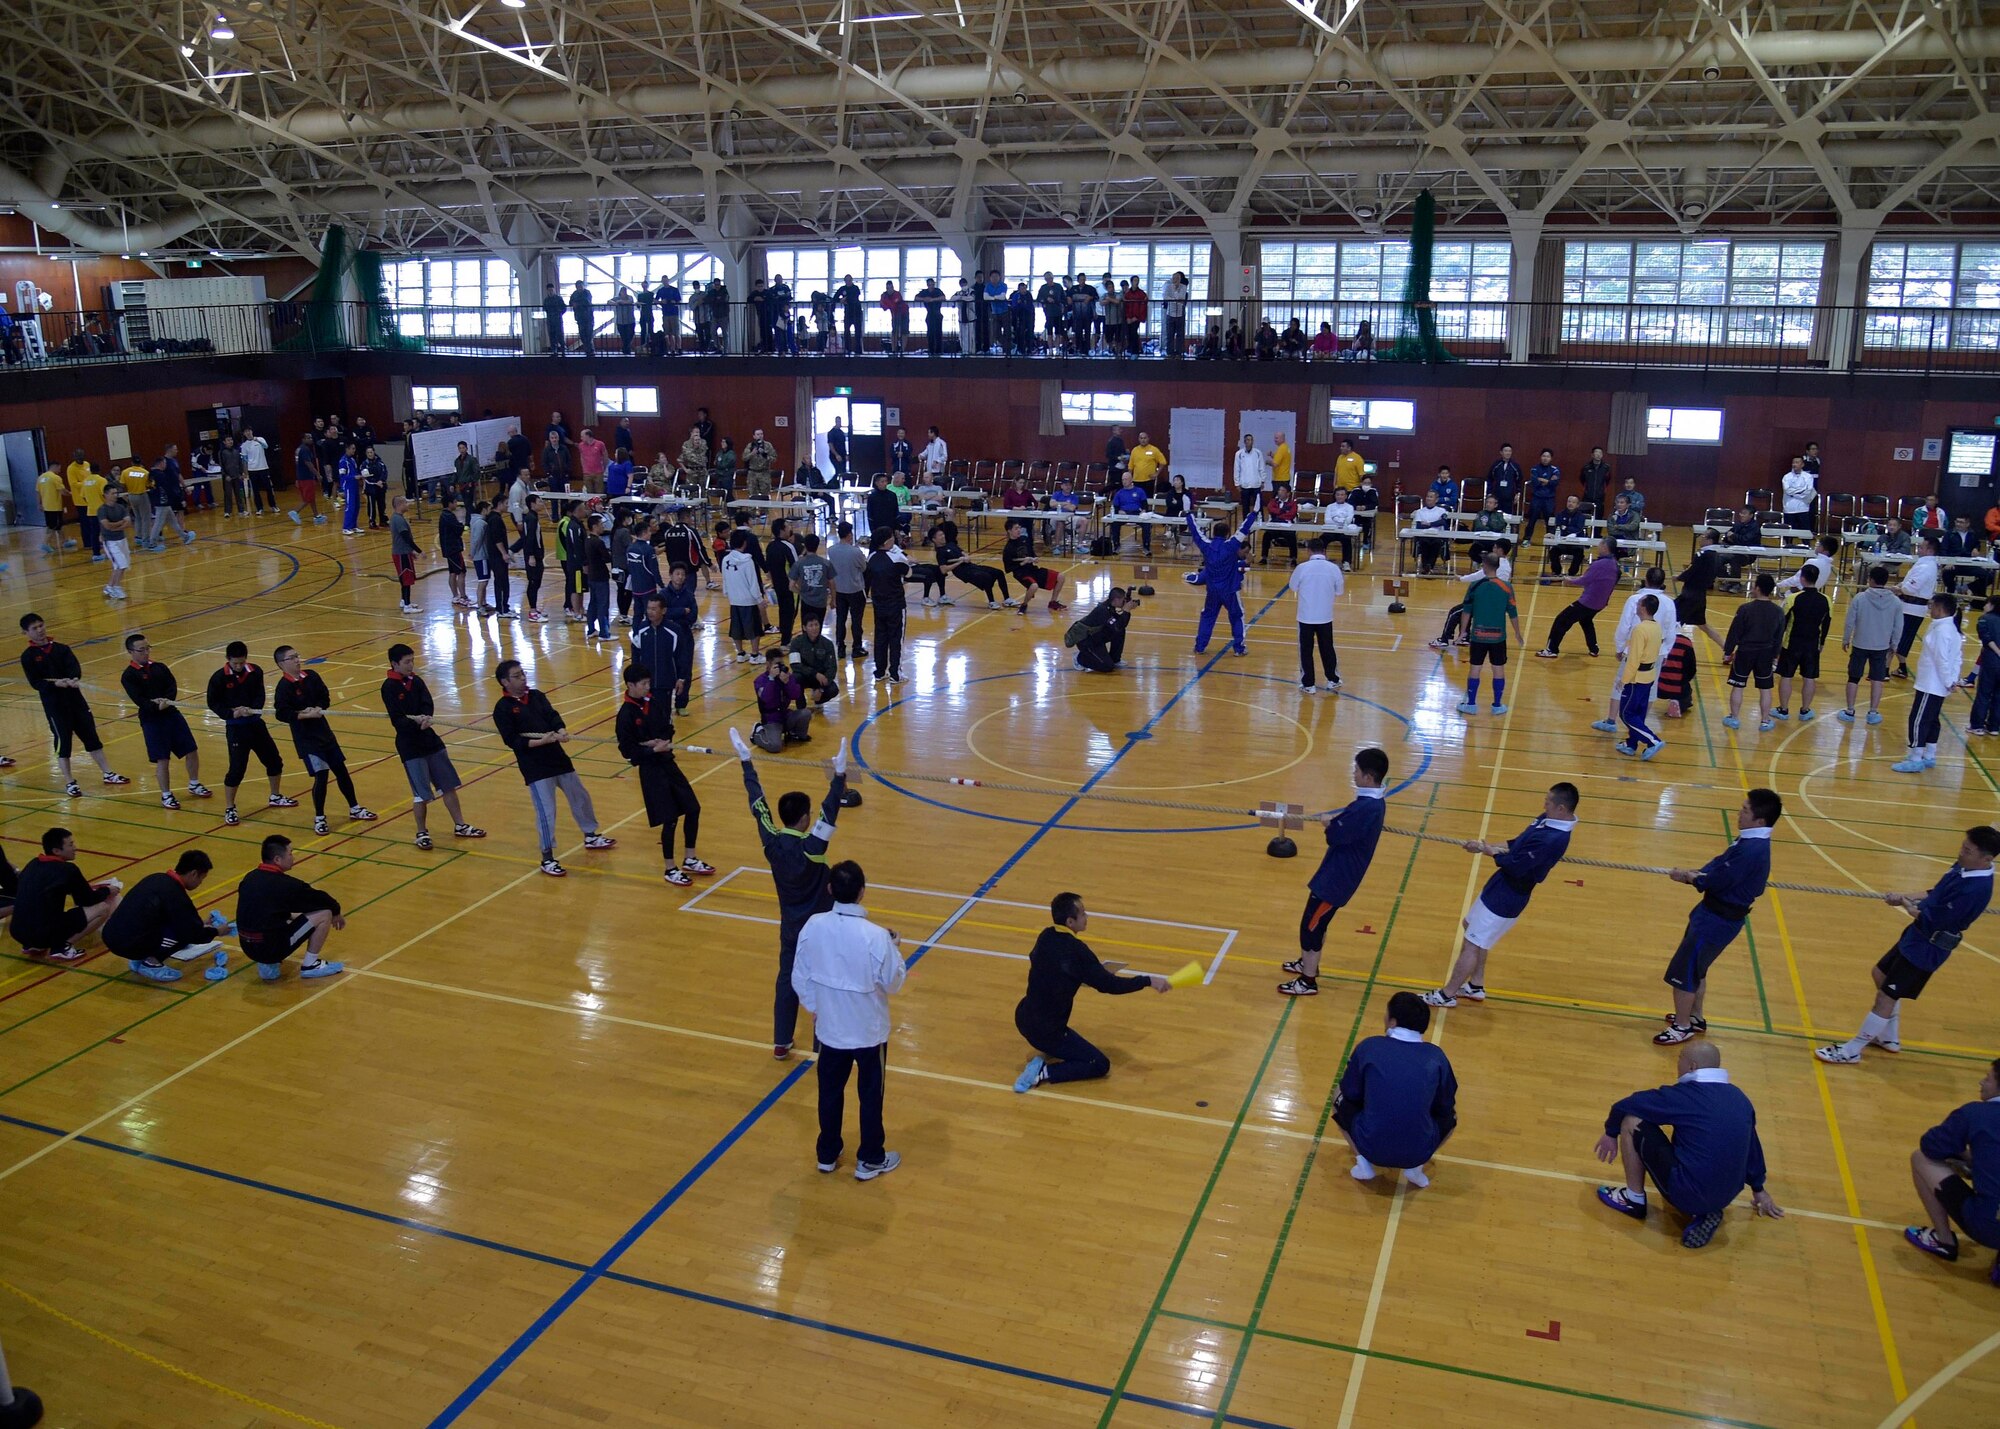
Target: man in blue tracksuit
{"x":350,"y":490}
{"x":1544,"y":484}
{"x":1729,"y":883}
{"x":796,"y":850}
{"x":1222,"y":580}
{"x":1523,"y":863}
{"x":1712,"y":1154}
{"x":656,"y":648}
{"x":1398,"y":1097}
{"x":1957,"y":1171}
{"x":1939,"y":920}
{"x":1351,"y":836}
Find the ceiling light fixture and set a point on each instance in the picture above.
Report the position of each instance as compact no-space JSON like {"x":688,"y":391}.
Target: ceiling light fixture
{"x":515,"y":4}
{"x":187,"y":52}
{"x":880,"y":19}
{"x":220,"y":29}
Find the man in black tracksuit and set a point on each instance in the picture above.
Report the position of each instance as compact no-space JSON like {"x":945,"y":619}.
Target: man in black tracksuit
{"x":1098,"y":636}
{"x":646,"y":738}
{"x":54,"y":674}
{"x":157,"y":920}
{"x":796,"y":851}
{"x":886,"y":568}
{"x":1060,"y":964}
{"x":236,"y":697}
{"x":47,"y":884}
{"x":276,"y":912}
{"x":301,"y":700}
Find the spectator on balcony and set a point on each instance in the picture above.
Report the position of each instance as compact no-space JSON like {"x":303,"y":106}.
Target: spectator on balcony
{"x":1173,"y":304}
{"x":669,"y":299}
{"x":1082,"y":314}
{"x":1325,"y":346}
{"x":967,"y":299}
{"x":1267,"y":342}
{"x":645,"y":306}
{"x":1021,"y":319}
{"x":1054,"y":303}
{"x":1136,"y":307}
{"x":1234,"y":347}
{"x":552,"y":317}
{"x":848,"y":296}
{"x":995,"y":293}
{"x":582,"y":307}
{"x":624,"y":317}
{"x":898,"y":308}
{"x":1114,"y":316}
{"x":1293,"y":341}
{"x":932,"y":297}
{"x":1362,"y":349}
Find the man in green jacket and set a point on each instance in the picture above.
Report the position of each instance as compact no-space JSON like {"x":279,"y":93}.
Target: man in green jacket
{"x":814,"y":663}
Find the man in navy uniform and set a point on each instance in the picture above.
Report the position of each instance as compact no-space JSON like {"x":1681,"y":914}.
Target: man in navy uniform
{"x":1712,"y":1154}
{"x":1957,"y":1170}
{"x":1351,"y":836}
{"x":1729,"y":883}
{"x":1523,"y":862}
{"x":1398,"y":1097}
{"x":1938,"y":922}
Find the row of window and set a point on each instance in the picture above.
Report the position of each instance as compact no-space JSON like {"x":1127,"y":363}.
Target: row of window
{"x":1704,"y":291}
{"x":1699,"y":425}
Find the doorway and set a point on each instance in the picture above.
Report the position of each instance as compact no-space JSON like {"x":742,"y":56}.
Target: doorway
{"x":23,"y":454}
{"x":861,"y":418}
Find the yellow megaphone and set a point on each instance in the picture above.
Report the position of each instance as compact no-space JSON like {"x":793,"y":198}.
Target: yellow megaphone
{"x":1189,"y":976}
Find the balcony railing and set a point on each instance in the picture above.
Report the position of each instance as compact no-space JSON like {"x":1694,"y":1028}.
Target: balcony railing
{"x":1634,"y":335}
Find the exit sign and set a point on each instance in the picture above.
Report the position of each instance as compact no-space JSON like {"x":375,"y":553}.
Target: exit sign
{"x":849,"y":392}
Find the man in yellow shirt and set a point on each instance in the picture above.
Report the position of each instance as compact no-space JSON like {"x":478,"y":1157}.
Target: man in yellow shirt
{"x":1144,"y":462}
{"x":137,"y":483}
{"x":86,"y":494}
{"x":1348,"y":466}
{"x":1642,"y":671}
{"x":49,"y":486}
{"x":1281,"y":461}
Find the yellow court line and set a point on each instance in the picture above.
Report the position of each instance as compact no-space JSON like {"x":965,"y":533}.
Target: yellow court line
{"x":1902,"y":1412}
{"x":157,"y":1363}
{"x":1884,"y":1331}
{"x":1041,"y":1094}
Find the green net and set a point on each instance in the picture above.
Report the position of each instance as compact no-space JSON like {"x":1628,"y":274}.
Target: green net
{"x":332,"y":322}
{"x":1416,"y":337}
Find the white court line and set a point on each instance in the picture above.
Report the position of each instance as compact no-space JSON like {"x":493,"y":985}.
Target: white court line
{"x":1214,"y":965}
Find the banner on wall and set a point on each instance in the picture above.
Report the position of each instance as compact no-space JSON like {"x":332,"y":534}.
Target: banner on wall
{"x":1263,"y":427}
{"x":437,"y":451}
{"x":1195,"y":439}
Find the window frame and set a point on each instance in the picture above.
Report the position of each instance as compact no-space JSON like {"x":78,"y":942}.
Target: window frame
{"x":424,"y":398}
{"x":1673,"y":416}
{"x":1091,"y":415}
{"x":870,"y":265}
{"x":1710,"y":291}
{"x":1369,"y":423}
{"x":622,"y":406}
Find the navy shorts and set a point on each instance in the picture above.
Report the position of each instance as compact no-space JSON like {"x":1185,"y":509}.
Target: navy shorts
{"x":1977,"y":1215}
{"x":1702,"y":943}
{"x":168,"y":736}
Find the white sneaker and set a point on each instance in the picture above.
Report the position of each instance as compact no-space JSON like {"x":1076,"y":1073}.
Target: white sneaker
{"x":889,"y":1162}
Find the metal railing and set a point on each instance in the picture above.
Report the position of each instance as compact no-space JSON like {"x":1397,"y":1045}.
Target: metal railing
{"x":1635,"y":335}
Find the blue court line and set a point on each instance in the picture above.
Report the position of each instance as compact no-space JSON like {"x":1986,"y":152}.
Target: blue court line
{"x":861,"y":762}
{"x":453,"y":1411}
{"x":638,"y":1282}
{"x":276,"y":585}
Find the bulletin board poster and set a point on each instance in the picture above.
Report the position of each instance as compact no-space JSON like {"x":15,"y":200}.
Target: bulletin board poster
{"x":1263,"y":427}
{"x":437,"y":451}
{"x":1196,"y":437}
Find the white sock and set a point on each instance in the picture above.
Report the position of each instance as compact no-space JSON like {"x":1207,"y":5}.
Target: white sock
{"x":1871,"y":1028}
{"x":1363,"y":1169}
{"x":1930,"y":752}
{"x":1416,"y":1177}
{"x":1638,"y":1197}
{"x":1892,"y":1029}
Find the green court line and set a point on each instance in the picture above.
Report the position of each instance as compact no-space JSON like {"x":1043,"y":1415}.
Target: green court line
{"x":88,"y":972}
{"x":1701,"y":705}
{"x":1469,"y":1373}
{"x":1208,"y":1188}
{"x":1972,"y":754}
{"x":454,"y":856}
{"x":1756,"y":968}
{"x":100,"y":982}
{"x":1312,"y":1151}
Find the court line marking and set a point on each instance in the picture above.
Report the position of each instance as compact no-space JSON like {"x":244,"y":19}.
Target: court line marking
{"x":528,"y":1337}
{"x":1902,"y":1412}
{"x":1870,"y":1277}
{"x":638,"y":1282}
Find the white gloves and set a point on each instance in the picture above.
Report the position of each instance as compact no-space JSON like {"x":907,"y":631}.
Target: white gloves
{"x":736,"y":743}
{"x":840,"y":758}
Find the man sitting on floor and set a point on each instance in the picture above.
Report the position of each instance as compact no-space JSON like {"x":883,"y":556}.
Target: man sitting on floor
{"x":1713,"y":1152}
{"x":276,"y":912}
{"x":44,"y":923}
{"x":157,"y":920}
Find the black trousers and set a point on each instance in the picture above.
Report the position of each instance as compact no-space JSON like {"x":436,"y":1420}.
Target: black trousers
{"x":1540,"y":515}
{"x":532,"y":573}
{"x":244,"y":740}
{"x":1103,"y":653}
{"x":1574,"y":614}
{"x":378,"y":506}
{"x":888,"y":642}
{"x":847,"y":611}
{"x":554,"y":325}
{"x":785,"y":998}
{"x":1290,"y":540}
{"x":1911,"y":625}
{"x":1321,"y":636}
{"x":1071,"y":1058}
{"x":869,"y":1064}
{"x":261,"y":490}
{"x":502,"y":584}
{"x":788,"y":610}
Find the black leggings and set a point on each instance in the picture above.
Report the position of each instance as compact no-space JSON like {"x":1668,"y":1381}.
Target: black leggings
{"x":929,"y":576}
{"x":245,"y":740}
{"x":691,"y":822}
{"x":1574,"y":614}
{"x":340,"y":777}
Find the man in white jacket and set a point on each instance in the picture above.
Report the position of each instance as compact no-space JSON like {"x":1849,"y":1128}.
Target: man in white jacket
{"x":1938,"y":665}
{"x":1252,"y":476}
{"x":1317,"y":584}
{"x":937,"y":458}
{"x":845,"y":969}
{"x":1798,"y":495}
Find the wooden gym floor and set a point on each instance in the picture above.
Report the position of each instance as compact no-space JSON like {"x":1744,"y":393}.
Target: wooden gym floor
{"x":529,"y":1162}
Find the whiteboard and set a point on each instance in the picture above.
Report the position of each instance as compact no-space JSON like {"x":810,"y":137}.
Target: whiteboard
{"x":437,"y":451}
{"x":1195,"y":439}
{"x":1262,"y":426}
